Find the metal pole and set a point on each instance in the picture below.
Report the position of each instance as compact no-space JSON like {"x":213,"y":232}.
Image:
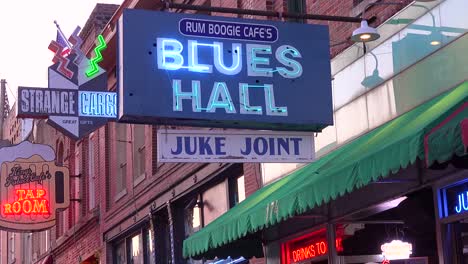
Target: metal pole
{"x":261,"y":12}
{"x":331,"y":241}
{"x":2,"y":105}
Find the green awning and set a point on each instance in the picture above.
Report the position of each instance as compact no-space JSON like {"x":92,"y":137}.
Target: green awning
{"x":371,"y":157}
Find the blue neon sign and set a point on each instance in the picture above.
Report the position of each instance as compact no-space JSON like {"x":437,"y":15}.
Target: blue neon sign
{"x":454,"y":199}
{"x":462,"y":205}
{"x":223,"y":72}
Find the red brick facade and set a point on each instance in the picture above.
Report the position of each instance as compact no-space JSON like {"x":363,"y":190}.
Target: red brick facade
{"x":92,"y":232}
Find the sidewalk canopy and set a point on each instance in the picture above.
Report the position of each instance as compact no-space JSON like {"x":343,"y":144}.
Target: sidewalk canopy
{"x":431,"y":132}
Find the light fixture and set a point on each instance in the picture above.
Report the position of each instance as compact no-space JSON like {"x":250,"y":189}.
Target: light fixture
{"x":365,"y":33}
{"x":435,"y":43}
{"x":373,"y":79}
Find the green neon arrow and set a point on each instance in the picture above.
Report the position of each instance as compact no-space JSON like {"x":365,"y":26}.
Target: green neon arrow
{"x":93,"y":63}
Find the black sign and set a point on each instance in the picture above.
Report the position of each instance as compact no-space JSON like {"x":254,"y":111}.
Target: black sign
{"x":455,"y":199}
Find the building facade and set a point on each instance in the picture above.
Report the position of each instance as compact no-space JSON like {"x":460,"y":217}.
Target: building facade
{"x":129,"y":208}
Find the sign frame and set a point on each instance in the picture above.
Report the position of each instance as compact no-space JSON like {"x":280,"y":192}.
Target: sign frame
{"x":32,"y":187}
{"x":284,"y":98}
{"x":221,"y":146}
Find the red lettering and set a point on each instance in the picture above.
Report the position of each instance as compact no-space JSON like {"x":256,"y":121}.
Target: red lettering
{"x":16,"y":208}
{"x":7,"y":209}
{"x":20,"y":194}
{"x":29,"y":194}
{"x":27,"y":207}
{"x":40,"y":207}
{"x":28,"y":202}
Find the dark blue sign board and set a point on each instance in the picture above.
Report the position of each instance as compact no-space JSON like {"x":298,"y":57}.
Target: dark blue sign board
{"x":198,"y":70}
{"x":455,"y":199}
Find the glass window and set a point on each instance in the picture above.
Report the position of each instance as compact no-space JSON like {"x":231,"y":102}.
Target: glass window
{"x":150,"y":247}
{"x":121,"y":152}
{"x":236,"y":191}
{"x":120,"y":254}
{"x":215,"y":202}
{"x":136,"y":249}
{"x":138,"y":151}
{"x":91,"y":175}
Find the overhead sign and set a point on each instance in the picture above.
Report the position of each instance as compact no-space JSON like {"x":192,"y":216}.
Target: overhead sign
{"x":455,"y":199}
{"x":234,"y":146}
{"x":32,"y":187}
{"x":308,"y":247}
{"x":209,"y":71}
{"x":77,"y":101}
{"x":397,"y":249}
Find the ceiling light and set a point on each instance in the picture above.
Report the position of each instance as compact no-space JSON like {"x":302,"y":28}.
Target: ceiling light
{"x":365,"y":33}
{"x":435,"y":43}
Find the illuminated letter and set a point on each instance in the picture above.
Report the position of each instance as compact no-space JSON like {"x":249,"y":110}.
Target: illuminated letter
{"x":178,"y":96}
{"x":20,"y":193}
{"x":29,"y":195}
{"x":7,"y":209}
{"x":245,"y":100}
{"x":40,"y":193}
{"x":55,"y":102}
{"x":84,"y":104}
{"x":64,"y":102}
{"x":253,"y":61}
{"x":27,"y":207}
{"x":458,"y":208}
{"x":236,"y":66}
{"x":193,"y":58}
{"x":111,"y":107}
{"x":296,"y":67}
{"x":24,"y":101}
{"x":39,"y":105}
{"x":174,"y":53}
{"x":47,"y":108}
{"x":16,"y":207}
{"x":71,"y":103}
{"x":226,"y":101}
{"x":271,"y":108}
{"x":40,"y":208}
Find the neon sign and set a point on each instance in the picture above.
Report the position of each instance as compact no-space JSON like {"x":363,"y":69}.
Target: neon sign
{"x":397,"y":249}
{"x":93,"y":63}
{"x":454,"y":199}
{"x":462,"y":205}
{"x":29,"y":202}
{"x":310,"y":251}
{"x":310,"y":246}
{"x":77,"y":101}
{"x":223,"y":72}
{"x":32,"y":187}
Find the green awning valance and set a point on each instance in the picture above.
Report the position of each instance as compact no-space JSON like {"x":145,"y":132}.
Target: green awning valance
{"x":374,"y":155}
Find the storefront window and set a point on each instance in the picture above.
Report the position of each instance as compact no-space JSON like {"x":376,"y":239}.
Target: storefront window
{"x":150,"y":247}
{"x":119,"y":253}
{"x":136,"y":249}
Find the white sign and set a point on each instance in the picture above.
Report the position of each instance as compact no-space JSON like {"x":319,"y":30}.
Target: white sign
{"x":397,"y":249}
{"x":234,"y":146}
